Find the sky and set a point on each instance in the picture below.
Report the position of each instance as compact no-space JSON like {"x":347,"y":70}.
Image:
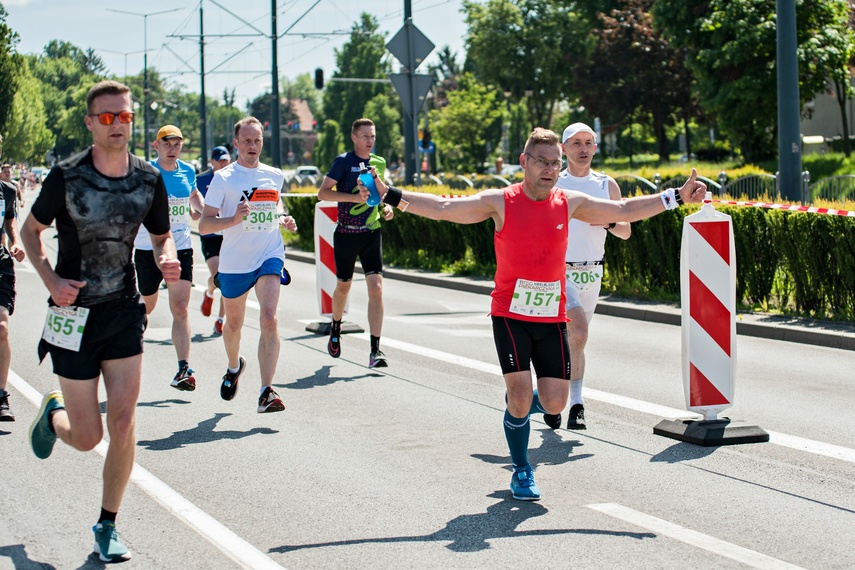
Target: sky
{"x":242,"y":63}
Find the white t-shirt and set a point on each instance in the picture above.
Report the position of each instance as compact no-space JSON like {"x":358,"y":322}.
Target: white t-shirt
{"x":180,"y":184}
{"x":249,"y":244}
{"x":587,"y":242}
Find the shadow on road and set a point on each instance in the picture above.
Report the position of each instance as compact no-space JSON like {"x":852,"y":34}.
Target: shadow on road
{"x":17,"y":553}
{"x":554,"y":450}
{"x":323,"y":377}
{"x":472,"y":533}
{"x":202,"y":433}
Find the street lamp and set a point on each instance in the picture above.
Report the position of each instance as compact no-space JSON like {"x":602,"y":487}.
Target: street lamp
{"x":145,"y":66}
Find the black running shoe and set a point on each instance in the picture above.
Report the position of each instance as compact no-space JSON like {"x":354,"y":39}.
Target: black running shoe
{"x":576,"y":419}
{"x":184,"y":380}
{"x":269,"y":402}
{"x":230,"y":381}
{"x":334,"y":344}
{"x":377,"y":359}
{"x":552,"y":420}
{"x":6,"y":414}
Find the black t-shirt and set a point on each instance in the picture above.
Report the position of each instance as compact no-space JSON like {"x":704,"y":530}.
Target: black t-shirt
{"x":9,"y":208}
{"x":97,"y":218}
{"x":352,"y":218}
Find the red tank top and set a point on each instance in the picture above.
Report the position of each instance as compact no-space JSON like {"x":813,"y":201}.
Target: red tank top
{"x":530,"y":250}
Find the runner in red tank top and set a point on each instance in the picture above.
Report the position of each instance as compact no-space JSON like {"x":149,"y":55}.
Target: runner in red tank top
{"x":529,"y":320}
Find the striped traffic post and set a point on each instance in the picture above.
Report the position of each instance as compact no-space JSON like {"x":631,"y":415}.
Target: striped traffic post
{"x":326,"y":218}
{"x":708,"y":295}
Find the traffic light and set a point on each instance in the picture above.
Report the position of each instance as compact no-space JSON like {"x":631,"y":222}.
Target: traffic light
{"x":314,"y":125}
{"x":426,"y":139}
{"x":290,"y":125}
{"x":319,"y":78}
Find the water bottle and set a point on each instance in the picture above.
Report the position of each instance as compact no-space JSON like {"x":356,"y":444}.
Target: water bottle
{"x":368,"y":181}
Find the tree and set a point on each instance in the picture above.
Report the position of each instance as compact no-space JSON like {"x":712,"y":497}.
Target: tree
{"x":387,"y":122}
{"x":302,"y":87}
{"x":633,"y":70}
{"x":330,"y":144}
{"x":363,"y":56}
{"x":27,"y":137}
{"x":521,"y":47}
{"x":10,"y":69}
{"x":732,"y":52}
{"x":459,"y":127}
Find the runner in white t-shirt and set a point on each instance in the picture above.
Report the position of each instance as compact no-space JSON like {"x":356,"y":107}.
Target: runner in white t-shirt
{"x":185,"y":201}
{"x":245,"y":196}
{"x":585,"y":251}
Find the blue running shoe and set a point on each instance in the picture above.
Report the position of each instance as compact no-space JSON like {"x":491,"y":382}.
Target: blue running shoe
{"x":107,"y":545}
{"x":42,"y":436}
{"x":523,"y":486}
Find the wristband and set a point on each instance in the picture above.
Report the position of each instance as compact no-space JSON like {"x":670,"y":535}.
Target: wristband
{"x":612,"y":226}
{"x":677,"y":197}
{"x":393,"y":196}
{"x":668,"y":199}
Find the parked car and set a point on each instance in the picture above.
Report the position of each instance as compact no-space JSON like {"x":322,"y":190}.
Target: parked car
{"x":308,"y":171}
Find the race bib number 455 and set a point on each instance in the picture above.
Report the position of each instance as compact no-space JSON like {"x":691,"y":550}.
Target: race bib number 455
{"x":64,"y":326}
{"x":262,"y":215}
{"x":536,"y":298}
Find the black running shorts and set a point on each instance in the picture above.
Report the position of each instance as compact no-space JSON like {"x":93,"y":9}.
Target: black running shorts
{"x":149,"y":276}
{"x":7,"y":284}
{"x":545,"y":345}
{"x":211,"y":246}
{"x":113,"y":330}
{"x":367,"y":246}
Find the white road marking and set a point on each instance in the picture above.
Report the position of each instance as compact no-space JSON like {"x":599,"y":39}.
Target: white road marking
{"x":784,"y":440}
{"x":237,"y":549}
{"x":694,"y":538}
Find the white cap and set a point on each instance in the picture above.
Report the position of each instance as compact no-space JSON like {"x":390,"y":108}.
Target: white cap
{"x":576,"y":128}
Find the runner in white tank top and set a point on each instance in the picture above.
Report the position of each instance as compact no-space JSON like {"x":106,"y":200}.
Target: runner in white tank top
{"x":585,"y":250}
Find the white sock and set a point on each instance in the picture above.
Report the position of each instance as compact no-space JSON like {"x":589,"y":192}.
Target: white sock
{"x":576,"y":392}
{"x":208,"y":295}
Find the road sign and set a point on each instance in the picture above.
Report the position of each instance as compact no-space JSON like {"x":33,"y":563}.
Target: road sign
{"x":421,"y":85}
{"x":399,"y":46}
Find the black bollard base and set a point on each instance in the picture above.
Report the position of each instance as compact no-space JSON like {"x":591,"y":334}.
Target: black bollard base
{"x":323,"y":328}
{"x":710,"y":433}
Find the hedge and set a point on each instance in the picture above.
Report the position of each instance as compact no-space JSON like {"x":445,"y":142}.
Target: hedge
{"x":791,"y":262}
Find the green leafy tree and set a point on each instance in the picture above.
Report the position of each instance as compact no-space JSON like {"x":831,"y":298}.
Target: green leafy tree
{"x":10,"y":69}
{"x":732,"y":52}
{"x":27,"y":137}
{"x":459,"y":128}
{"x":302,"y":87}
{"x":363,"y":56}
{"x":330,"y":144}
{"x":387,"y":122}
{"x":526,"y":48}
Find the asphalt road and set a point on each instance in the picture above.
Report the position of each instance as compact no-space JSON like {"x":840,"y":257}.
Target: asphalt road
{"x":407,"y":467}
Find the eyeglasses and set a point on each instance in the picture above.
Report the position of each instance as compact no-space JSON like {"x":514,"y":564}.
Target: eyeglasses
{"x":125,"y":117}
{"x":541,"y":163}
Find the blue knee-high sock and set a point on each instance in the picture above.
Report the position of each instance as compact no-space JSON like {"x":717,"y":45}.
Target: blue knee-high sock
{"x":516,"y":432}
{"x":536,"y":408}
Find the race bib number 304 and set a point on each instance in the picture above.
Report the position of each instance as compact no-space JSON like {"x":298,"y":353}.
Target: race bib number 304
{"x":536,"y":298}
{"x":262,"y":215}
{"x":64,"y":326}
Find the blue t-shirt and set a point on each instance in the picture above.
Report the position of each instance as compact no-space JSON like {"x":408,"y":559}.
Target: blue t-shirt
{"x":180,"y":184}
{"x":202,"y":183}
{"x":352,"y":218}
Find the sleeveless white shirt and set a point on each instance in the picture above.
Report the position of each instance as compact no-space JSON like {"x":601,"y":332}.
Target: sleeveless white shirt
{"x":586,"y":242}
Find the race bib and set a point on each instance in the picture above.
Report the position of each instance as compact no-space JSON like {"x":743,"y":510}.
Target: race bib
{"x":585,"y":277}
{"x":536,"y":298}
{"x":64,"y":326}
{"x":178,"y":210}
{"x":262,"y":215}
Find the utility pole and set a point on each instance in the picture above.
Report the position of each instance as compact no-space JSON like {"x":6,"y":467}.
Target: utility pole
{"x":411,"y":165}
{"x":203,"y":112}
{"x":789,"y":132}
{"x":275,"y":134}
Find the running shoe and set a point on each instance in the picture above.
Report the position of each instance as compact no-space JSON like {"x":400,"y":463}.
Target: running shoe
{"x":218,"y":326}
{"x":42,"y":436}
{"x":334,"y":344}
{"x":576,"y":419}
{"x":184,"y":380}
{"x":6,"y":414}
{"x":230,"y":381}
{"x":269,"y":402}
{"x":377,"y":359}
{"x":107,"y":545}
{"x":207,"y":303}
{"x":523,"y":486}
{"x":284,"y":277}
{"x":552,"y":420}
